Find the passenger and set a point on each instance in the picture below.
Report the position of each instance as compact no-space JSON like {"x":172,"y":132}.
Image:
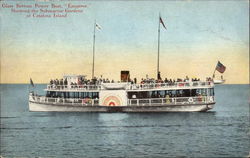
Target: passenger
{"x":199,"y":97}
{"x":61,"y":83}
{"x":65,"y":82}
{"x":159,"y":95}
{"x":107,"y":80}
{"x":159,"y":76}
{"x":170,"y":81}
{"x":167,"y":99}
{"x":142,"y":81}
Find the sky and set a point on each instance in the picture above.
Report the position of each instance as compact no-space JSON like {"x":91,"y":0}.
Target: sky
{"x":198,"y":34}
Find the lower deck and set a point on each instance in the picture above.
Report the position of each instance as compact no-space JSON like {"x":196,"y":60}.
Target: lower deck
{"x":174,"y":104}
{"x":130,"y":102}
{"x":35,"y":106}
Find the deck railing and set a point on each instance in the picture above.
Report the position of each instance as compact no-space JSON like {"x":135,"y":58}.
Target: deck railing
{"x":130,"y":86}
{"x":177,"y":100}
{"x":169,"y":85}
{"x":73,"y":87}
{"x":131,"y":102}
{"x":65,"y":101}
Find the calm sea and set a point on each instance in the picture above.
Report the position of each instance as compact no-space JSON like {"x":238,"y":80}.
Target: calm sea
{"x":222,"y":132}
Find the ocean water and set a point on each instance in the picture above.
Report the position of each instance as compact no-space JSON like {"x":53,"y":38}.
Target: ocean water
{"x":221,"y":132}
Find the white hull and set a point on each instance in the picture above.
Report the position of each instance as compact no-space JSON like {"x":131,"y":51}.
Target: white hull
{"x":33,"y":106}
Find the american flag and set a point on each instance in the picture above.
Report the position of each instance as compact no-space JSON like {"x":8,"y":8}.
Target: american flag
{"x":220,"y":67}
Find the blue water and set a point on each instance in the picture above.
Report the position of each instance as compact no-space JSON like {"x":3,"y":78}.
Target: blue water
{"x":222,"y":132}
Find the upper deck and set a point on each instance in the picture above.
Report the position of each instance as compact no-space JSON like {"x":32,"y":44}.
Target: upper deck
{"x":128,"y":86}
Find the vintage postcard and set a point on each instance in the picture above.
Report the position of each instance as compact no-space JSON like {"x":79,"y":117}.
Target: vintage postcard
{"x":117,"y":78}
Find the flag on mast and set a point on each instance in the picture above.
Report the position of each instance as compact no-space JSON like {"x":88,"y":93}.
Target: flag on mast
{"x":98,"y":26}
{"x":161,"y":21}
{"x":32,"y":83}
{"x":220,"y":67}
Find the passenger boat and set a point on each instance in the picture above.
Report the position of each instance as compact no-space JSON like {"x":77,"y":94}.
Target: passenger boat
{"x":149,"y":96}
{"x":76,"y":93}
{"x":216,"y":81}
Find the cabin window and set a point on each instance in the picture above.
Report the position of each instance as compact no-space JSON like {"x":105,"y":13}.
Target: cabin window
{"x":186,"y":93}
{"x":173,"y":93}
{"x":71,"y":94}
{"x":162,"y":94}
{"x":211,"y":92}
{"x":50,"y":94}
{"x":67,"y":94}
{"x":193,"y":92}
{"x":179,"y":93}
{"x":197,"y":92}
{"x":140,"y":95}
{"x":58,"y":94}
{"x":154,"y":94}
{"x":95,"y":95}
{"x":203,"y":91}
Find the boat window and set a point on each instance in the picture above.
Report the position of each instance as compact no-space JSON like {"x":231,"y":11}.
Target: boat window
{"x":48,"y":94}
{"x":193,"y":92}
{"x":154,"y":94}
{"x":211,"y":92}
{"x":95,"y":95}
{"x":71,"y":94}
{"x":200,"y":92}
{"x":168,"y":93}
{"x":173,"y":93}
{"x":186,"y":93}
{"x":179,"y":93}
{"x":162,"y":94}
{"x":203,"y":91}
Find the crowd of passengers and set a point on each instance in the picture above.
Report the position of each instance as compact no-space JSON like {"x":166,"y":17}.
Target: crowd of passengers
{"x":97,"y":81}
{"x":169,"y":81}
{"x":81,"y":81}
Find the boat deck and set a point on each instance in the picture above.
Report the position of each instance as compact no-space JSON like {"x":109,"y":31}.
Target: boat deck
{"x":130,"y":102}
{"x":130,"y":87}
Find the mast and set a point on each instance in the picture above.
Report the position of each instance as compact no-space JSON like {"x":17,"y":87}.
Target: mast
{"x":93,"y":63}
{"x":214,"y":73}
{"x":157,"y":74}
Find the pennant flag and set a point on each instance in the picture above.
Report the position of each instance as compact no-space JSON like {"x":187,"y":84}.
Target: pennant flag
{"x":98,"y":26}
{"x":220,"y":67}
{"x":31,"y":82}
{"x":161,"y":21}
